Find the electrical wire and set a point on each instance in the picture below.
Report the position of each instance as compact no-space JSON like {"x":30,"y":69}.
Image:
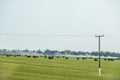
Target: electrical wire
{"x":57,"y":35}
{"x":46,"y":35}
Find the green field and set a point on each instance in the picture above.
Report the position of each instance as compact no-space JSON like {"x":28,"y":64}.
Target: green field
{"x":23,"y":68}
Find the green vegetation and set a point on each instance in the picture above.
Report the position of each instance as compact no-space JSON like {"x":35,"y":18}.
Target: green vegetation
{"x":48,"y":52}
{"x":23,"y":68}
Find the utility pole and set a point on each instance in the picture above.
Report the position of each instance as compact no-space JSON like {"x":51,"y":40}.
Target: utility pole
{"x":99,"y":67}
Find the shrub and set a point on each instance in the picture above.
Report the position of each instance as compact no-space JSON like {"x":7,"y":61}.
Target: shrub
{"x":28,"y":56}
{"x":41,"y":56}
{"x":35,"y":56}
{"x":83,"y":58}
{"x":45,"y":56}
{"x":50,"y":57}
{"x":14,"y":55}
{"x":77,"y":58}
{"x":95,"y":59}
{"x":110,"y":59}
{"x":105,"y":59}
{"x":18,"y":55}
{"x":66,"y":57}
{"x":90,"y":57}
{"x":57,"y":57}
{"x":7,"y":55}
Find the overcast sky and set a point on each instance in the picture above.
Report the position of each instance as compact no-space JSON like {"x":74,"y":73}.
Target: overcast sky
{"x":79,"y":20}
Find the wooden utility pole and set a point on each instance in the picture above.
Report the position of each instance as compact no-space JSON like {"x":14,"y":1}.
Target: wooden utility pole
{"x":99,"y":66}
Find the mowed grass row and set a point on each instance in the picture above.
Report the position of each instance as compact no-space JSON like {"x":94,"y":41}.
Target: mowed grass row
{"x":23,"y":68}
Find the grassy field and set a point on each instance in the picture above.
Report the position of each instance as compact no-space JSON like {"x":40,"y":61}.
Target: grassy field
{"x":23,"y":68}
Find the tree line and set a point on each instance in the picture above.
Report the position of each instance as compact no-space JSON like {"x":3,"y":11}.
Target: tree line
{"x":58,"y":53}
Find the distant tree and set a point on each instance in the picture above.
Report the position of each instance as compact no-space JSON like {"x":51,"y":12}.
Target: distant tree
{"x":94,"y":53}
{"x":33,"y":51}
{"x":47,"y":52}
{"x":26,"y":50}
{"x":39,"y":51}
{"x":67,"y":52}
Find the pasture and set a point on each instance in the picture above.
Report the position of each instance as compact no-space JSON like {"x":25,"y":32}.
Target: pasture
{"x":23,"y":68}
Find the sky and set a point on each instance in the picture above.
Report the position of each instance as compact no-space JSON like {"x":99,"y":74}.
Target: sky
{"x":60,"y":24}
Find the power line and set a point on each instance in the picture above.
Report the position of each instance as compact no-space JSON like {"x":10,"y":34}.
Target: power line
{"x":56,"y":35}
{"x":46,"y":35}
